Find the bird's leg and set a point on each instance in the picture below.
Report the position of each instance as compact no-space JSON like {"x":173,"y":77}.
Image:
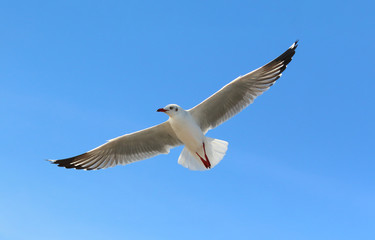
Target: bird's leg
{"x":206,"y":162}
{"x":204,"y":149}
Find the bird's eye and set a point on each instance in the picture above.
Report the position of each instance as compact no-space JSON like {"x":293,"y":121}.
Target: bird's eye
{"x":176,"y":109}
{"x":170,"y":107}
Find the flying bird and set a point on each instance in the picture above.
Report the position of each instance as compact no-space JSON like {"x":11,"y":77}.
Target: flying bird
{"x":186,"y":127}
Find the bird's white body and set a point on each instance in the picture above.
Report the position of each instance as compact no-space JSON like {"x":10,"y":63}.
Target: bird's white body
{"x":200,"y":152}
{"x":187,"y":130}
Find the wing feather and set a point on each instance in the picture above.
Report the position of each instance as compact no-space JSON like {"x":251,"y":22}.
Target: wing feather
{"x":125,"y":149}
{"x":240,"y":93}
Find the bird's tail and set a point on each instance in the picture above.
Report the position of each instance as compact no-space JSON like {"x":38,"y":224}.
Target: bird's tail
{"x":215,"y":150}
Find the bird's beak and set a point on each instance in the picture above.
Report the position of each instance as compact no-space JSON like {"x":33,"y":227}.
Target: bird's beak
{"x":161,"y":110}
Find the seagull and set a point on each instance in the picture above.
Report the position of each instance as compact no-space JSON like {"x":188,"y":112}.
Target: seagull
{"x":186,"y":127}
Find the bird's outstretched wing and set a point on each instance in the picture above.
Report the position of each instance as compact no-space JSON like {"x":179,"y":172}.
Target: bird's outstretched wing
{"x":240,"y":93}
{"x":125,"y":149}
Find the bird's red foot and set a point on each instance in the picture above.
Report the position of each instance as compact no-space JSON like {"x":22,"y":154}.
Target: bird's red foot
{"x":206,"y":162}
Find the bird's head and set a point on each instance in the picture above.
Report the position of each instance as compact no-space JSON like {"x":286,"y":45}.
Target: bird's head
{"x":171,"y":110}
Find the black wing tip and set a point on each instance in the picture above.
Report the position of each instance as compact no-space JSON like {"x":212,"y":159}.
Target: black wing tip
{"x":288,"y":54}
{"x":68,"y":163}
{"x":294,"y":45}
{"x":284,"y":58}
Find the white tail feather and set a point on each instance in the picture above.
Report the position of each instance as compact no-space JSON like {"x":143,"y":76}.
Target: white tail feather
{"x":215,"y":150}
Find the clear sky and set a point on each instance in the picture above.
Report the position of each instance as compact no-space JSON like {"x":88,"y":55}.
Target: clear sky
{"x":300,"y":163}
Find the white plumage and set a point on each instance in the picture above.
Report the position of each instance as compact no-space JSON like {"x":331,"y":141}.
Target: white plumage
{"x":187,"y":127}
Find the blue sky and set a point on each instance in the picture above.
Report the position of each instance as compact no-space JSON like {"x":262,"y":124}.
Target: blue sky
{"x":300,"y":163}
